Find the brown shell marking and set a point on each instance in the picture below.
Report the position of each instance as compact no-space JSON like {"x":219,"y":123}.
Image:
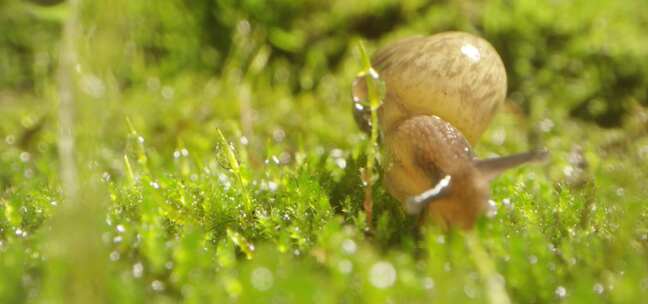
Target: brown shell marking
{"x":456,"y":76}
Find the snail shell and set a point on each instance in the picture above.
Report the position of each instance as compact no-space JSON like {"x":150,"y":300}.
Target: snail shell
{"x":456,"y":76}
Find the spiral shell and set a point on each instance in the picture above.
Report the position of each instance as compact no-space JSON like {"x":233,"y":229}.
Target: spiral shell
{"x":456,"y":76}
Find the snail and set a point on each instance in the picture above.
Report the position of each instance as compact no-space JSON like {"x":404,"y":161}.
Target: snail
{"x":441,"y":92}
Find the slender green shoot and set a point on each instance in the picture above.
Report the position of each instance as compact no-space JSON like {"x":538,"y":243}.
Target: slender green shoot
{"x":231,"y":163}
{"x":375,"y":100}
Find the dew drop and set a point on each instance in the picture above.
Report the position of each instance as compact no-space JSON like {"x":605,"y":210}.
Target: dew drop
{"x":168,"y":265}
{"x":643,"y":151}
{"x":92,"y":85}
{"x":428,"y":283}
{"x":491,"y":209}
{"x":153,"y":83}
{"x":470,"y":291}
{"x":105,"y":176}
{"x":114,"y":256}
{"x":507,"y":203}
{"x":498,"y":137}
{"x":341,"y":163}
{"x":382,"y":275}
{"x":643,"y":284}
{"x":552,"y":248}
{"x":349,"y":246}
{"x":336,"y":153}
{"x":447,"y":267}
{"x":167,"y":92}
{"x":138,"y":270}
{"x":262,"y":279}
{"x":546,"y":125}
{"x":440,"y":239}
{"x":272,"y":186}
{"x":568,"y":171}
{"x":157,"y":285}
{"x":25,"y":157}
{"x":345,"y":266}
{"x":284,"y":157}
{"x":278,"y":135}
{"x":10,"y":140}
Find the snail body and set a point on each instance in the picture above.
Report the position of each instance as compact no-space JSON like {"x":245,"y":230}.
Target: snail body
{"x":441,"y":92}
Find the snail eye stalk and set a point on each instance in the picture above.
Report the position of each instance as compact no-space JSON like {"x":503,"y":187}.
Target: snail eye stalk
{"x":492,"y":167}
{"x":415,"y":204}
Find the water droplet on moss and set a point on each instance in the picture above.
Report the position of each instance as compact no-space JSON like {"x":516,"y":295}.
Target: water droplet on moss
{"x":167,"y":92}
{"x":382,"y":275}
{"x":491,"y":209}
{"x":138,"y":270}
{"x":10,"y":139}
{"x":345,"y":266}
{"x":157,"y":285}
{"x":341,"y":163}
{"x":349,"y":246}
{"x":25,"y":157}
{"x":114,"y":256}
{"x":440,"y":239}
{"x":262,"y":279}
{"x":428,"y":283}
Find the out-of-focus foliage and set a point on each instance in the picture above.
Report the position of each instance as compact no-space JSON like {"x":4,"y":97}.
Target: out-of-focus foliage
{"x":568,"y":54}
{"x":271,"y":211}
{"x":28,"y":39}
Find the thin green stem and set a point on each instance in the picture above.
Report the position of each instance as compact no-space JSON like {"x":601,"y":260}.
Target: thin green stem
{"x":373,"y":93}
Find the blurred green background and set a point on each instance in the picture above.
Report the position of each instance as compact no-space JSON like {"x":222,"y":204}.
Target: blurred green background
{"x":170,"y":218}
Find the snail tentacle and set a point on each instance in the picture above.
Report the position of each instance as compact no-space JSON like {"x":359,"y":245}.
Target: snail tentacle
{"x":493,"y":167}
{"x":415,"y":204}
